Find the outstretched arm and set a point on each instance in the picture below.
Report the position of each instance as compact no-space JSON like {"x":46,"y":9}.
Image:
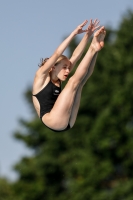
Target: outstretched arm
{"x":50,"y":62}
{"x":80,"y":48}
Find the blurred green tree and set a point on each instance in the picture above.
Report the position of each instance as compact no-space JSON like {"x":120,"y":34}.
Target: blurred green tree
{"x":6,"y":191}
{"x":93,"y":160}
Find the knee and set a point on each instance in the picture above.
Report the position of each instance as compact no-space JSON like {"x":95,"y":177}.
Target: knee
{"x":73,"y":82}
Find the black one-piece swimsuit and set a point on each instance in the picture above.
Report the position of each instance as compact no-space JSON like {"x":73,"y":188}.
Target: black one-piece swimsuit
{"x":47,"y":97}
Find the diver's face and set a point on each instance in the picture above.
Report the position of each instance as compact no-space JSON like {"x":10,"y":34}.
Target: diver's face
{"x":62,"y":69}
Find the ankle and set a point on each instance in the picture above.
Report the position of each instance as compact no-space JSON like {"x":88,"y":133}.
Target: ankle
{"x":92,"y":48}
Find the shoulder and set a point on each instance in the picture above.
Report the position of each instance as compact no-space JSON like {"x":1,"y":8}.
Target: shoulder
{"x":41,"y":73}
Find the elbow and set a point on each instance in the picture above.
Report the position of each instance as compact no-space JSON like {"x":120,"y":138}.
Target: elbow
{"x":57,"y":53}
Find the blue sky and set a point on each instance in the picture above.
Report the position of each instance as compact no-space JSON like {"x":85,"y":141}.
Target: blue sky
{"x":29,"y":30}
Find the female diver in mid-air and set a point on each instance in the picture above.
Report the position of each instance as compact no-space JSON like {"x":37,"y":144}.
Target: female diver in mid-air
{"x":58,"y":109}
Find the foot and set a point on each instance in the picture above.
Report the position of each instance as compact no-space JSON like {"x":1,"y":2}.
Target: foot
{"x":98,"y":39}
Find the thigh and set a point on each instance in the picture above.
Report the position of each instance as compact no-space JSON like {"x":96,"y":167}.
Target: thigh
{"x":59,"y":116}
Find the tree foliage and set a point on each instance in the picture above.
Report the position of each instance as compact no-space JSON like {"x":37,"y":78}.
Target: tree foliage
{"x":93,"y":160}
{"x":6,"y":190}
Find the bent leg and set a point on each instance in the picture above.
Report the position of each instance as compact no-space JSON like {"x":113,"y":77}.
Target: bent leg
{"x":61,"y":113}
{"x":68,"y":102}
{"x":59,"y":116}
{"x":66,"y":106}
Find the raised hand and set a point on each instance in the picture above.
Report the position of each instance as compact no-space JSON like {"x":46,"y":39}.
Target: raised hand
{"x":93,"y":26}
{"x":79,"y":28}
{"x":90,"y":29}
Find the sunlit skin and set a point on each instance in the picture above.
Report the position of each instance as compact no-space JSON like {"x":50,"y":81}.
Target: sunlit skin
{"x":60,"y":71}
{"x":57,"y":69}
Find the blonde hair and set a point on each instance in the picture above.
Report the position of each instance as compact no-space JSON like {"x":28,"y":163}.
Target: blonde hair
{"x":62,"y":57}
{"x":43,"y":61}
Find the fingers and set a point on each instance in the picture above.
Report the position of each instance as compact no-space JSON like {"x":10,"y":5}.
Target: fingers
{"x":96,"y":22}
{"x":80,"y":27}
{"x":93,"y":25}
{"x":84,"y":23}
